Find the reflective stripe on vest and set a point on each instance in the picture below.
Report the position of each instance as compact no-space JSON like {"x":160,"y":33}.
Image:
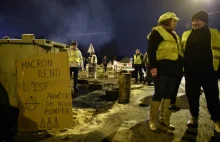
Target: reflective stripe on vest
{"x":215,"y":45}
{"x":169,"y":48}
{"x":137,"y":59}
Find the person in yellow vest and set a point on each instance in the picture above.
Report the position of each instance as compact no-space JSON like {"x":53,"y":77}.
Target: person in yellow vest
{"x":165,"y":58}
{"x":138,"y":64}
{"x":202,"y":53}
{"x":148,"y":78}
{"x":75,"y":62}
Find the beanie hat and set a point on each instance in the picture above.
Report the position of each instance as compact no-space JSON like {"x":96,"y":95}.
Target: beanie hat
{"x":201,"y":15}
{"x":74,"y":43}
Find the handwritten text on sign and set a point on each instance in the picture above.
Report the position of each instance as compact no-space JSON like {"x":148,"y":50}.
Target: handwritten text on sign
{"x":44,"y":92}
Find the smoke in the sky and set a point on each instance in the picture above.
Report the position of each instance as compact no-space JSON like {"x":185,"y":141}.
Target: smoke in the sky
{"x":85,"y":21}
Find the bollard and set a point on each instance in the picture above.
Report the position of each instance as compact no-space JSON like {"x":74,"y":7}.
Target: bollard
{"x":124,"y":88}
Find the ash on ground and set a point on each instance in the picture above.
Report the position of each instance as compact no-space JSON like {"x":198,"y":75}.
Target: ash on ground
{"x":96,"y":100}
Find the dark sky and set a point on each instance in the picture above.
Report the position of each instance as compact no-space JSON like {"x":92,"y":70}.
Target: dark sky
{"x":99,"y":22}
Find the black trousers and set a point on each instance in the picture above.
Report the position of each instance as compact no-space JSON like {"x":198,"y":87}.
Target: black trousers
{"x":138,"y":69}
{"x":174,"y":95}
{"x":209,"y":83}
{"x":75,"y":70}
{"x":84,"y":66}
{"x":149,"y":76}
{"x":104,"y":68}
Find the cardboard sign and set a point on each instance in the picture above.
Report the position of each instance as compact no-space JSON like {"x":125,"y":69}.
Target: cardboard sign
{"x":44,"y":92}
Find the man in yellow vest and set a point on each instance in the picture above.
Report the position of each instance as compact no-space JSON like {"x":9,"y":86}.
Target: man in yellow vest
{"x":75,"y":62}
{"x":202,"y":53}
{"x":138,"y":64}
{"x":166,"y":64}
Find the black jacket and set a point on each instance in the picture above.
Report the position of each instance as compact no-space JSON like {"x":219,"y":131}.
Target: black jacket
{"x":198,"y":53}
{"x":164,"y":67}
{"x":105,"y":62}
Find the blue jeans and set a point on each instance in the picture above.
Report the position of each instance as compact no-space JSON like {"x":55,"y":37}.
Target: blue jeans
{"x":164,"y":87}
{"x":75,"y":70}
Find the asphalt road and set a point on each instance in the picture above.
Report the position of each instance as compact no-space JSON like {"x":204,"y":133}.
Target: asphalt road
{"x":130,"y":123}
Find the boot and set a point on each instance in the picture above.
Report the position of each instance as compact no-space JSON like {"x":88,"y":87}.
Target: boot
{"x":141,"y":79}
{"x":193,"y":122}
{"x":217,"y":126}
{"x":165,"y":114}
{"x":154,"y":115}
{"x":160,"y":110}
{"x":150,"y":84}
{"x":136,"y":81}
{"x":144,"y":82}
{"x":174,"y":107}
{"x":76,"y":89}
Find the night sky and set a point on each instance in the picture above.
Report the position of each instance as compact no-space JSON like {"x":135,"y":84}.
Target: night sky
{"x":100,"y":22}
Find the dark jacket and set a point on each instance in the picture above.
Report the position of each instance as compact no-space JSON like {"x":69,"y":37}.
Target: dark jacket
{"x":9,"y":117}
{"x":164,"y":67}
{"x":198,"y":53}
{"x":4,"y":98}
{"x":105,"y":62}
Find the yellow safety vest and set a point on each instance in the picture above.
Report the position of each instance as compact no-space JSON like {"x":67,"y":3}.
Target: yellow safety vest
{"x":146,"y":59}
{"x":215,"y":45}
{"x":74,"y":56}
{"x":169,"y":48}
{"x":137,"y":59}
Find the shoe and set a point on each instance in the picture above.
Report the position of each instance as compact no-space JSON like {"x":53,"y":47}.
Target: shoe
{"x":217,"y":126}
{"x":193,"y":122}
{"x":150,"y":84}
{"x":136,"y":81}
{"x":174,"y":107}
{"x":77,"y":90}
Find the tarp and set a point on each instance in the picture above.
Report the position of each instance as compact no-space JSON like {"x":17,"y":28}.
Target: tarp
{"x":122,"y":59}
{"x":91,"y":49}
{"x":122,"y":64}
